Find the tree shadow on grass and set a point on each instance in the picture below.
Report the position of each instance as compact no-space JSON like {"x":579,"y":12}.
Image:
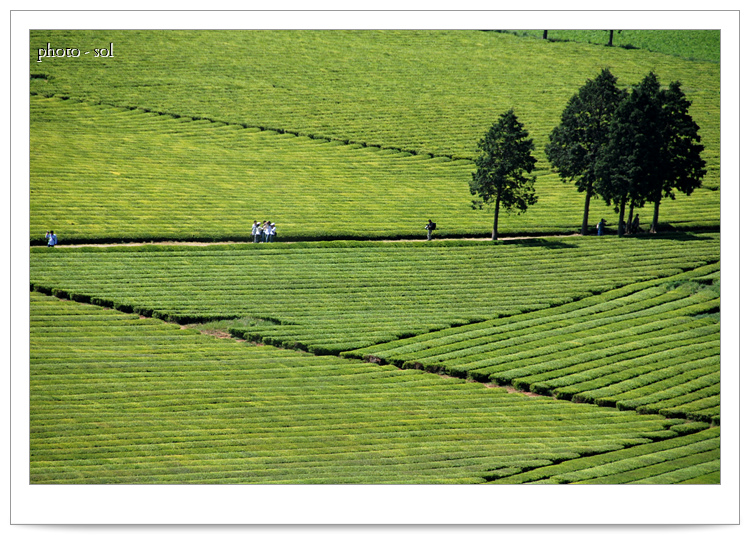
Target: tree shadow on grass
{"x":674,"y":236}
{"x":541,"y":242}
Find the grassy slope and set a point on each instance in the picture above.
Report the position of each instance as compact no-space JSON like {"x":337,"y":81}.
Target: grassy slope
{"x":428,"y":92}
{"x":306,"y":82}
{"x":127,"y":175}
{"x":700,"y":45}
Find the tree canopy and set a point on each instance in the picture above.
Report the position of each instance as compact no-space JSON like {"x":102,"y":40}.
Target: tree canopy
{"x":503,"y":166}
{"x":575,"y":144}
{"x":652,"y":150}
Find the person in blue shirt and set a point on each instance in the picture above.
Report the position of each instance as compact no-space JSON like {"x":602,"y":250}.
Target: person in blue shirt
{"x":600,"y":228}
{"x":51,"y":238}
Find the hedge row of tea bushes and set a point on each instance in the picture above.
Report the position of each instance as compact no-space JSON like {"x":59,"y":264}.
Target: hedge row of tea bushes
{"x":101,"y":173}
{"x":338,"y":296}
{"x":119,"y":399}
{"x":652,"y":346}
{"x":691,"y":459}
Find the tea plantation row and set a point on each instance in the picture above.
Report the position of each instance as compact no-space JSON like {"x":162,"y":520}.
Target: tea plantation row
{"x":190,"y":170}
{"x":119,"y":399}
{"x":652,"y":346}
{"x":341,"y":296}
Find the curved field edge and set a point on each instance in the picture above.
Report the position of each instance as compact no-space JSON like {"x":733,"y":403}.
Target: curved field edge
{"x":652,"y":347}
{"x":120,"y":399}
{"x":334,"y":297}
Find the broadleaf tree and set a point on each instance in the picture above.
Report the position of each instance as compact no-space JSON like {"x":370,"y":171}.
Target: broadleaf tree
{"x":503,"y":170}
{"x":575,"y":144}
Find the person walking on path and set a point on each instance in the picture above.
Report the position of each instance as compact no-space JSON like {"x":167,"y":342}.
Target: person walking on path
{"x":430,"y":227}
{"x":255,"y":233}
{"x":600,"y":227}
{"x":271,"y":232}
{"x":51,"y":238}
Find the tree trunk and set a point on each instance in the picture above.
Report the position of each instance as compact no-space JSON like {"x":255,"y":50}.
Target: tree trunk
{"x":611,"y":34}
{"x":621,"y":222}
{"x":655,"y":220}
{"x":497,"y":211}
{"x":629,"y":226}
{"x":585,"y":224}
{"x":545,"y":34}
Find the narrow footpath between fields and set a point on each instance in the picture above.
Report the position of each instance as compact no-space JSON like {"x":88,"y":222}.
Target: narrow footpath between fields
{"x":204,"y":244}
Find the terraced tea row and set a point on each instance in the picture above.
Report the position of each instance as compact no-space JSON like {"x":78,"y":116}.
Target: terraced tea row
{"x":118,"y":399}
{"x":692,"y":459}
{"x":347,"y":295}
{"x":652,"y":346}
{"x":100,"y":173}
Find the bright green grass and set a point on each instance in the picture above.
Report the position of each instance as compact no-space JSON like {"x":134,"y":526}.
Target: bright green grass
{"x":434,"y":93}
{"x":118,"y":399}
{"x":701,"y":45}
{"x":121,"y":174}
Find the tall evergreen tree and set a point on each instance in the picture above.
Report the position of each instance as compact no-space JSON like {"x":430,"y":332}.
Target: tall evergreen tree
{"x":575,"y":144}
{"x":503,"y":165}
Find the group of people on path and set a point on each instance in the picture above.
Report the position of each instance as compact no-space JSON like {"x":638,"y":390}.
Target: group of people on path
{"x":263,"y":232}
{"x":633,"y":227}
{"x":51,"y":238}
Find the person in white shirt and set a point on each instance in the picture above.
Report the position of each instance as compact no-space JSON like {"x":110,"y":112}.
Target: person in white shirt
{"x":255,"y":232}
{"x":271,"y":232}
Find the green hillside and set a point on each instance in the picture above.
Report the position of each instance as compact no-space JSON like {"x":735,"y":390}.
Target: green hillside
{"x":149,"y":175}
{"x":353,"y":350}
{"x":701,"y":45}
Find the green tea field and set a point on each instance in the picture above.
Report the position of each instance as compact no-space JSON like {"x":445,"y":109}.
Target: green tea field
{"x":168,"y":348}
{"x":323,"y":146}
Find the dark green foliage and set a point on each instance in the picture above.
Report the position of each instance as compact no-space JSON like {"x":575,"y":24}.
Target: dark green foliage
{"x":682,"y":164}
{"x":576,"y":142}
{"x":504,"y":158}
{"x":630,"y":161}
{"x":653,"y":149}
